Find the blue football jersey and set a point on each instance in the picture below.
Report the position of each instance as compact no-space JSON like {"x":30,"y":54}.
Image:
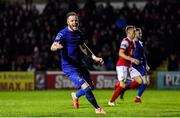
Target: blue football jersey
{"x":70,"y":53}
{"x":139,"y":53}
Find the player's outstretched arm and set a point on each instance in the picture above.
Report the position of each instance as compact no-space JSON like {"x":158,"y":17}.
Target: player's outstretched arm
{"x":55,"y":46}
{"x":90,"y":54}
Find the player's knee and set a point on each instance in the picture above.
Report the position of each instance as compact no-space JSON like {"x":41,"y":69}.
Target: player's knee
{"x":122,"y":84}
{"x":138,"y":80}
{"x":84,"y":85}
{"x":145,"y":81}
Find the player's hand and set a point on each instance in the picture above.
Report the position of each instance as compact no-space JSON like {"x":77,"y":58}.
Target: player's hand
{"x":135,"y":61}
{"x":98,"y":59}
{"x":55,"y":46}
{"x":58,"y":45}
{"x":147,"y":68}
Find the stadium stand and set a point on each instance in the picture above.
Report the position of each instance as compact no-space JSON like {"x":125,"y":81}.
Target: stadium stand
{"x":26,"y":34}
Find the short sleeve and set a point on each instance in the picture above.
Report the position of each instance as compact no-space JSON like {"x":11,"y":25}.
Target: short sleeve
{"x":124,"y":44}
{"x":58,"y":37}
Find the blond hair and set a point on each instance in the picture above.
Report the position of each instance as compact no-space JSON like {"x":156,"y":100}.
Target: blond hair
{"x":129,"y":27}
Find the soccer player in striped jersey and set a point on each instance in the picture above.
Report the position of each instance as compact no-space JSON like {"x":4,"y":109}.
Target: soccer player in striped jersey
{"x":123,"y":64}
{"x":139,"y":72}
{"x":70,"y":42}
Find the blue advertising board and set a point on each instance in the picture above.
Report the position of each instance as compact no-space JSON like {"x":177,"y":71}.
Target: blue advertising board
{"x":168,"y":80}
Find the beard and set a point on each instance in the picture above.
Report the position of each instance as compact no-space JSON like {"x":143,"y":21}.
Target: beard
{"x":74,"y":28}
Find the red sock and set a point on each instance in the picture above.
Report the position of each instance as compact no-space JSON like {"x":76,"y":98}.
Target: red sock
{"x":133,"y":85}
{"x":116,"y":85}
{"x":116,"y":93}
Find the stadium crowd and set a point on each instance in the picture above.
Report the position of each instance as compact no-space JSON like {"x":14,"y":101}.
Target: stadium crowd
{"x":26,"y":34}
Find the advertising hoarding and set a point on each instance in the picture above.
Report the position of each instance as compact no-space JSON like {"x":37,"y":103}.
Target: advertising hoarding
{"x":14,"y":81}
{"x":168,"y":80}
{"x":102,"y":80}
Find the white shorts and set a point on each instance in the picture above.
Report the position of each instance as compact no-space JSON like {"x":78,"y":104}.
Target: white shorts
{"x":122,"y":72}
{"x":134,"y":72}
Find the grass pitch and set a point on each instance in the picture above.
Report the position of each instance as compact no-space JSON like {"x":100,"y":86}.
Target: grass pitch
{"x":59,"y":104}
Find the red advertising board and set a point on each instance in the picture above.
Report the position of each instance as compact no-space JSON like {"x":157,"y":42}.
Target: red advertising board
{"x":102,"y":80}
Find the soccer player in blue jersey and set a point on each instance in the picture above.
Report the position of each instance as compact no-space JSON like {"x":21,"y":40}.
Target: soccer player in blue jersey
{"x":70,"y":42}
{"x":139,"y":72}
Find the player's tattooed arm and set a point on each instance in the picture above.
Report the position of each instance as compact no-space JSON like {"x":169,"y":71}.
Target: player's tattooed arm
{"x":55,"y":46}
{"x":84,"y":48}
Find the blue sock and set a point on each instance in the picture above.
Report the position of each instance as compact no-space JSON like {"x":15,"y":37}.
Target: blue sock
{"x":90,"y":97}
{"x":142,"y":87}
{"x":79,"y":93}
